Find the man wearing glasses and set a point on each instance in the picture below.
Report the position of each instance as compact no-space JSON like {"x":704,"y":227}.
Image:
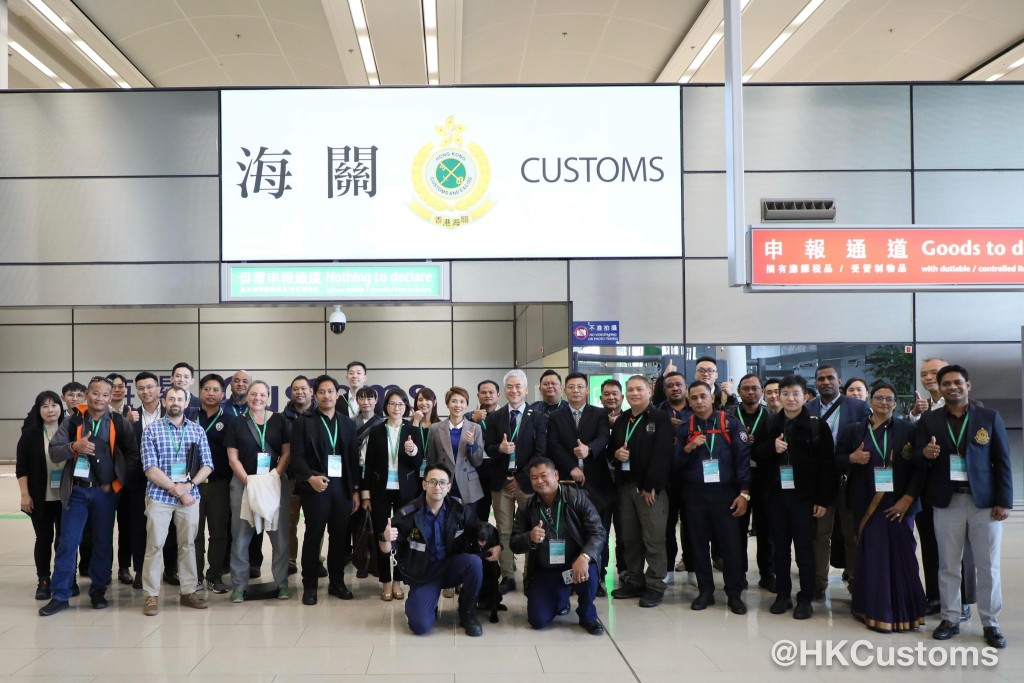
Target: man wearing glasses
{"x":97,"y":447}
{"x":435,"y":537}
{"x":707,"y":372}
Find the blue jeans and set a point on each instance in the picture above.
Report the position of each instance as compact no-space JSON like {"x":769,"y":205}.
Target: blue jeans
{"x":458,"y":569}
{"x":96,"y":506}
{"x":547,"y":593}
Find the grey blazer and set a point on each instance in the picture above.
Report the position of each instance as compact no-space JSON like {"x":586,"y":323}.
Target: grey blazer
{"x":440,"y":453}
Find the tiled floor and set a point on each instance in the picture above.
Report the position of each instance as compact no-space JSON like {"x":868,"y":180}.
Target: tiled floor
{"x":367,"y":640}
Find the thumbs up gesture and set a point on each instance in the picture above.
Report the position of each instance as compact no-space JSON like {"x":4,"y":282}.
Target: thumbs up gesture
{"x":390,"y":533}
{"x":622,"y":454}
{"x":582,"y":450}
{"x":410,"y":447}
{"x":780,"y":444}
{"x":920,"y":405}
{"x":83,"y":446}
{"x":671,"y":367}
{"x":931,"y":451}
{"x":860,"y":456}
{"x":506,"y":446}
{"x":537,"y":534}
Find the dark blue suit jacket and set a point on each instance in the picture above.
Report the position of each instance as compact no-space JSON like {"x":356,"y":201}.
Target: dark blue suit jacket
{"x":851,"y":411}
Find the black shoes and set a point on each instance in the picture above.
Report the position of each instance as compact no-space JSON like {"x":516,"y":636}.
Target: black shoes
{"x":601,"y":592}
{"x":339,"y":590}
{"x":819,"y":593}
{"x":362,"y":573}
{"x":43,"y":589}
{"x":309,"y":595}
{"x":321,"y":571}
{"x":803,"y":610}
{"x":254,"y":572}
{"x":137,"y":583}
{"x":651,"y":598}
{"x":702,"y":601}
{"x":292,"y":568}
{"x":994,"y":637}
{"x":768,"y":584}
{"x":965,"y":613}
{"x":506,"y":585}
{"x":781,"y":605}
{"x":627,"y":591}
{"x":594,"y":628}
{"x":736,"y":606}
{"x":53,"y":607}
{"x":98,"y":600}
{"x":125,"y":577}
{"x":217,"y":586}
{"x":933,"y":608}
{"x":470,"y":624}
{"x":946,"y":630}
{"x":172,"y":579}
{"x":75,"y":590}
{"x":563,"y":610}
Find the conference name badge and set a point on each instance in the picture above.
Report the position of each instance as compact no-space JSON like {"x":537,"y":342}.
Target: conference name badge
{"x":982,"y":437}
{"x":450,"y":179}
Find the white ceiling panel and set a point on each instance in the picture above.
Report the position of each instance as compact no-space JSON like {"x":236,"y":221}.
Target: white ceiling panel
{"x":501,"y":71}
{"x":556,"y":67}
{"x":642,"y":43}
{"x":313,"y":73}
{"x":164,"y":47}
{"x":257,"y":70}
{"x":566,"y":33}
{"x":237,"y":35}
{"x":121,"y":18}
{"x":221,"y":8}
{"x":611,"y":70}
{"x":303,"y":42}
{"x":205,"y":73}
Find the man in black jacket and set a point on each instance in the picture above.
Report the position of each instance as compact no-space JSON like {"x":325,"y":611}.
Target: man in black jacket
{"x":435,"y":534}
{"x":641,"y":448}
{"x":561,"y":532}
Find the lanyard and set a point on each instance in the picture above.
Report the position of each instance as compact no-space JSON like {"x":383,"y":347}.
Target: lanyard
{"x":235,"y":409}
{"x":333,"y":438}
{"x":423,"y":439}
{"x":558,"y":515}
{"x":261,"y":432}
{"x":96,"y":425}
{"x":393,"y":447}
{"x":220,"y":411}
{"x":711,"y":448}
{"x":630,"y":429}
{"x":751,"y":430}
{"x":885,"y":441}
{"x":958,"y":439}
{"x":181,"y":439}
{"x":518,"y":425}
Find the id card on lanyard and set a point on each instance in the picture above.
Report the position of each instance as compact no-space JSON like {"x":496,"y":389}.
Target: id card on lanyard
{"x":629,"y":434}
{"x":55,"y":478}
{"x":263,"y":457}
{"x":958,"y":463}
{"x":786,"y":477}
{"x":82,"y":467}
{"x":334,"y":469}
{"x":883,"y":474}
{"x":711,"y":473}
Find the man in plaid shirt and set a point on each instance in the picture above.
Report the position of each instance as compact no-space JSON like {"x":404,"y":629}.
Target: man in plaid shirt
{"x":176,"y":459}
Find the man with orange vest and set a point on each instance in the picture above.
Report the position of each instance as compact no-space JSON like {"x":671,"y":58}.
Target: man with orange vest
{"x":97,"y":447}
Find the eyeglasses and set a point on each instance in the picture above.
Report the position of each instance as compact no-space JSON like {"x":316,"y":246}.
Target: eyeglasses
{"x":98,"y":378}
{"x":884,"y":399}
{"x":437,"y":483}
{"x":707,"y":371}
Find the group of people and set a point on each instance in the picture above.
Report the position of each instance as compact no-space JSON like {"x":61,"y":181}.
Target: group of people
{"x":559,"y":475}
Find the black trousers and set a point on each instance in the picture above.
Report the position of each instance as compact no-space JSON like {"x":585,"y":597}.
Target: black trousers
{"x":792,"y":522}
{"x":46,"y":523}
{"x":380,"y":512}
{"x":708,"y":517}
{"x":215,"y":517}
{"x":677,"y":516}
{"x":757,"y":510}
{"x":328,"y":511}
{"x":606,"y":522}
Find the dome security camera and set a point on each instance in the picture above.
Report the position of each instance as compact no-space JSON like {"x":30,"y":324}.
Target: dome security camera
{"x":337,"y":321}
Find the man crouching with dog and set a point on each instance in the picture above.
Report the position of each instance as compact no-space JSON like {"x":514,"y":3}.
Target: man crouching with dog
{"x":435,"y":535}
{"x":561,"y":532}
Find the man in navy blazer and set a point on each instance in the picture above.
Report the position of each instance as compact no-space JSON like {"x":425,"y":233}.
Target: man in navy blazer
{"x":515,"y":434}
{"x":970,"y":487}
{"x":835,"y":410}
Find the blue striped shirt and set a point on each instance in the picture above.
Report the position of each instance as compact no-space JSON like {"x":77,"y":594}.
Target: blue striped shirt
{"x":164,"y":444}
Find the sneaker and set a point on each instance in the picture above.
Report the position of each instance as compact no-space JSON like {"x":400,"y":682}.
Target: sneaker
{"x":254,"y":572}
{"x":193,"y":600}
{"x":151,"y":607}
{"x":292,"y":568}
{"x":218,"y":587}
{"x":650,"y":598}
{"x":284,"y":593}
{"x":237,"y":596}
{"x":98,"y":600}
{"x":43,"y":589}
{"x":53,"y":607}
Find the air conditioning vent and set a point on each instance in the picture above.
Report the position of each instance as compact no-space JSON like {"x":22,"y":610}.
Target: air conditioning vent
{"x":790,"y":210}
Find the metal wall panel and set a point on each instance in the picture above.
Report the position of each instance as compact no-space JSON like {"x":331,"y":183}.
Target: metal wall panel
{"x":882,"y":198}
{"x":508,"y":281}
{"x":142,"y":132}
{"x":646,"y":297}
{"x":169,"y":284}
{"x":262,"y":345}
{"x":717,"y":314}
{"x":137,"y":315}
{"x":483,"y":344}
{"x":35,"y":316}
{"x":18,"y":391}
{"x":106,"y":348}
{"x":968,"y":126}
{"x":397,"y":313}
{"x":969,"y":316}
{"x":483,"y":312}
{"x":440,"y":381}
{"x":802,"y":127}
{"x":970,"y":198}
{"x":994,"y":369}
{"x":82,"y":220}
{"x":40,"y":347}
{"x":392,"y":345}
{"x":248,"y":314}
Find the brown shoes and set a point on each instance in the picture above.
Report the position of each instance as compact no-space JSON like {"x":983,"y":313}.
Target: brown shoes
{"x":194,"y":601}
{"x":151,"y":607}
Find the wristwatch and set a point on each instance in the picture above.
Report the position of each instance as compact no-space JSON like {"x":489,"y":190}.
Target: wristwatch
{"x":745,"y":495}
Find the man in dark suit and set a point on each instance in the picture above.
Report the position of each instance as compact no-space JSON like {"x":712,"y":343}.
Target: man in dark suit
{"x":835,"y":410}
{"x":577,"y":437}
{"x":515,"y":434}
{"x":970,"y":487}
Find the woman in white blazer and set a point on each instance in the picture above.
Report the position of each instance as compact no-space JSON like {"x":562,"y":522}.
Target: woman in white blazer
{"x":458,"y":444}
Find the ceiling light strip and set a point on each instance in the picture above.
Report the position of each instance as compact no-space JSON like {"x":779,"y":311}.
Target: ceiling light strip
{"x":78,"y":42}
{"x":355,"y":8}
{"x":430,"y":40}
{"x":34,"y":61}
{"x":709,"y":46}
{"x":787,"y":33}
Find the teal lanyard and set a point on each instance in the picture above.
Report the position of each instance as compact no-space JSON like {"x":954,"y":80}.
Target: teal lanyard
{"x":518,"y":425}
{"x":711,"y":448}
{"x":631,"y":429}
{"x":751,"y":430}
{"x":181,"y":439}
{"x":423,"y":438}
{"x":393,"y":447}
{"x":958,"y":439}
{"x":885,"y":441}
{"x":96,"y":424}
{"x":558,"y":515}
{"x":333,"y":438}
{"x":261,"y":432}
{"x":216,"y":417}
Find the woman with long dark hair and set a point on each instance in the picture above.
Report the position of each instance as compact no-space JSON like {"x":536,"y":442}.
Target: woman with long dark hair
{"x":424,"y":414}
{"x":39,"y":480}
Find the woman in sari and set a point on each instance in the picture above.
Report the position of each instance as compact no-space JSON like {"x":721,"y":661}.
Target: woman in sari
{"x":883,"y":486}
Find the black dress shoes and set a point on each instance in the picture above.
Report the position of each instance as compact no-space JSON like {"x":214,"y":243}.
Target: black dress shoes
{"x":933,"y":608}
{"x":803,"y":610}
{"x":781,"y":605}
{"x":98,"y":600}
{"x":702,"y":601}
{"x":172,"y":579}
{"x":736,"y":606}
{"x":994,"y":637}
{"x":125,"y":577}
{"x":309,"y":595}
{"x":75,"y":590}
{"x":53,"y":607}
{"x":321,"y":571}
{"x":627,"y":591}
{"x":601,"y":592}
{"x":506,"y":585}
{"x":43,"y":590}
{"x":137,"y":583}
{"x":594,"y":628}
{"x":651,"y":598}
{"x":768,"y":584}
{"x":946,"y":630}
{"x":339,"y":590}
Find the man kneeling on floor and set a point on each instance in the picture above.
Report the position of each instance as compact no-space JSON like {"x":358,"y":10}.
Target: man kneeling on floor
{"x":561,"y":532}
{"x":432,"y":535}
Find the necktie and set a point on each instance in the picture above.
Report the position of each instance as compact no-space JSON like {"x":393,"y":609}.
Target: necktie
{"x":513,"y":420}
{"x":576,"y":417}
